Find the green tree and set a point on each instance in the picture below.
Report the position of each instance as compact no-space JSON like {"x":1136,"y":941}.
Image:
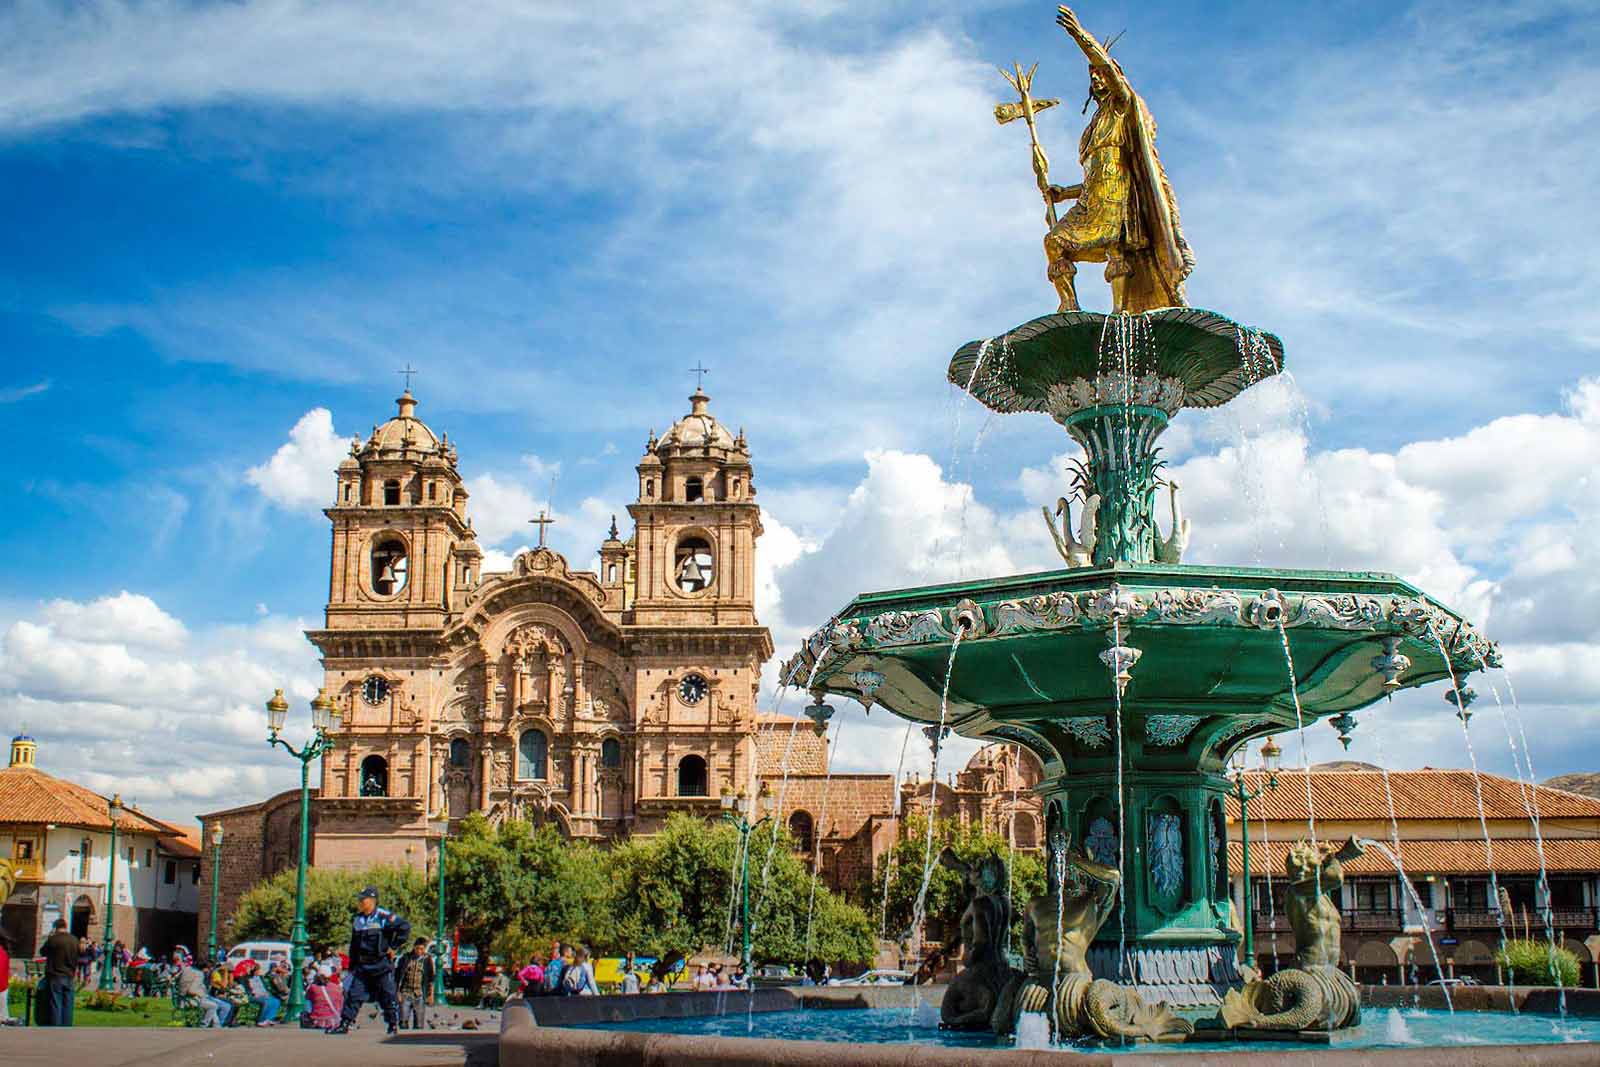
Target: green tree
{"x":672,"y":892}
{"x":515,"y":888}
{"x":946,"y":898}
{"x":266,"y":912}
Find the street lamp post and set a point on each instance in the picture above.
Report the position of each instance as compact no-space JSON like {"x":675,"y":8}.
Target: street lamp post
{"x":114,"y":812}
{"x":440,"y":826}
{"x":324,"y":718}
{"x":737,"y":810}
{"x":216,"y":873}
{"x":1270,"y":755}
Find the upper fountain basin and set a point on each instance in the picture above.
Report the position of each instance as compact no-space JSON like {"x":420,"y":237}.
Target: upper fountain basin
{"x":1058,"y":364}
{"x":1211,"y":655}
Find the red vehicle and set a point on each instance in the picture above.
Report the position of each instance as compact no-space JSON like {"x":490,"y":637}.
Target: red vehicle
{"x":464,"y":963}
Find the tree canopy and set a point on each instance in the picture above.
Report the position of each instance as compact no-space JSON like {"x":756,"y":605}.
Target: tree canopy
{"x":512,"y":889}
{"x":903,"y":866}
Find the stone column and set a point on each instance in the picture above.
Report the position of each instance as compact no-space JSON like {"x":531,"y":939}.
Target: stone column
{"x":486,"y":773}
{"x":435,"y":801}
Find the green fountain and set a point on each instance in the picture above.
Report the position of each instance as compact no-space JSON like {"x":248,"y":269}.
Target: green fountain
{"x":1131,"y":675}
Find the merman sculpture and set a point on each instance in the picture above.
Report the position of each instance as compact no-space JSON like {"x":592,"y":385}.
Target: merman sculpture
{"x":1057,"y":931}
{"x":1315,"y":995}
{"x":970,"y":1001}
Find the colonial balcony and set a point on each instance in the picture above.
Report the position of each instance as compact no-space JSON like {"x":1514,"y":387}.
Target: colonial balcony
{"x":28,"y":870}
{"x":1372,"y":919}
{"x":1572,"y":921}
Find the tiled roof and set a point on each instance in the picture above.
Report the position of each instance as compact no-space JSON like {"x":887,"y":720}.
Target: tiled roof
{"x":187,"y":845}
{"x":1434,"y":857}
{"x":30,"y":796}
{"x":1424,"y":794}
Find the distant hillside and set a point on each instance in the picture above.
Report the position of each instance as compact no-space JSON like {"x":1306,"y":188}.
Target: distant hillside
{"x":1345,"y":765}
{"x":1587,"y":784}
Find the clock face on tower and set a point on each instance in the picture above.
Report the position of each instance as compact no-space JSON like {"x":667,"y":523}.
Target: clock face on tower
{"x":375,"y":690}
{"x":692,"y":689}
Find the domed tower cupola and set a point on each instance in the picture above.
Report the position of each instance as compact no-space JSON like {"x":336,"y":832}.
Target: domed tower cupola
{"x":697,"y":520}
{"x":401,"y":542}
{"x":23,"y":750}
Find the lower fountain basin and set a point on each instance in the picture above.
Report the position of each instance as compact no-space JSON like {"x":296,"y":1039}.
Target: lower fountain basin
{"x":884,"y":1026}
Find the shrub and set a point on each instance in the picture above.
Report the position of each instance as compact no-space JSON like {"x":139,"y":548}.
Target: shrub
{"x":1530,"y":962}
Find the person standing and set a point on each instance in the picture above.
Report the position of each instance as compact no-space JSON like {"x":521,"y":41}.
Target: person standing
{"x":414,"y":978}
{"x":5,"y":978}
{"x":577,"y":979}
{"x":374,"y":934}
{"x":60,"y":952}
{"x":553,"y":969}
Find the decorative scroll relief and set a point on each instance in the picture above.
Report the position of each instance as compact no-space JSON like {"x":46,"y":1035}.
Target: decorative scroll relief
{"x":908,"y":628}
{"x":1051,"y":611}
{"x":1197,"y":606}
{"x":1090,"y":731}
{"x":1064,"y":399}
{"x":1169,"y":731}
{"x":1235,"y":729}
{"x":1048,"y":612}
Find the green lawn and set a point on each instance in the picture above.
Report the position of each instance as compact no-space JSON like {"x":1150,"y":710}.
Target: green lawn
{"x":129,"y":1011}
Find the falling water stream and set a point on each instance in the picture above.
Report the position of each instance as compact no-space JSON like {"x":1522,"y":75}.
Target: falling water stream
{"x":1011,"y":852}
{"x":1122,"y":827}
{"x":889,"y":865}
{"x":1400,"y":868}
{"x":1530,"y":803}
{"x":919,"y":910}
{"x":1305,"y":757}
{"x":817,"y":829}
{"x":1483,"y":817}
{"x":1416,"y":902}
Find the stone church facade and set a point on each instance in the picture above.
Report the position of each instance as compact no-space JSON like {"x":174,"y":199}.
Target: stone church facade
{"x":597,"y":701}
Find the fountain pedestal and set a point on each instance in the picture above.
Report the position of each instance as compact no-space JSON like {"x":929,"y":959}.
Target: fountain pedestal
{"x":1134,"y":680}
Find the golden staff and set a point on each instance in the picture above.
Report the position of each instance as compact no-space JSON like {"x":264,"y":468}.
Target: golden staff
{"x":1024,"y":108}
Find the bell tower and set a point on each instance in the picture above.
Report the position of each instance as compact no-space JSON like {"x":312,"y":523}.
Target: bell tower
{"x":404,"y":554}
{"x":696,"y":523}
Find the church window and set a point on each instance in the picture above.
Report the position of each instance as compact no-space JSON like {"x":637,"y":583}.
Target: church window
{"x":391,"y":492}
{"x":692,"y":779}
{"x":693,"y":565}
{"x":347,"y":492}
{"x":693,"y":489}
{"x":736,"y":485}
{"x":611,"y":574}
{"x":611,"y":753}
{"x":460,"y":752}
{"x":649,"y":488}
{"x":432,"y":489}
{"x":374,"y":777}
{"x":388,"y":567}
{"x":801,"y":829}
{"x":533,"y":750}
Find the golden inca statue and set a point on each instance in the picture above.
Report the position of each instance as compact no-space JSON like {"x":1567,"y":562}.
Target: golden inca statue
{"x":1315,"y":995}
{"x":1123,"y":213}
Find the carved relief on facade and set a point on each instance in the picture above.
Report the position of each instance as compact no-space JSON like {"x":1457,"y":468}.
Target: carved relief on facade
{"x":606,"y":700}
{"x":538,"y":669}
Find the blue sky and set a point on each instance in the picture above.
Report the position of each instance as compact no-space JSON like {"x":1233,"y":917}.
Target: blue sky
{"x":227,"y":225}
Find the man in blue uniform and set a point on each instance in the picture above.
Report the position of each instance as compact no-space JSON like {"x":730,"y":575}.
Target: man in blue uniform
{"x":375,"y":934}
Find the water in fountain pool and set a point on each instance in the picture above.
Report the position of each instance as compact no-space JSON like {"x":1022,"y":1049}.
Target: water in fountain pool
{"x":1383,"y":1028}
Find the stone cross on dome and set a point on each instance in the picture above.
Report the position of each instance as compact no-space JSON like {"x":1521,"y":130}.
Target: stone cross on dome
{"x":699,"y":371}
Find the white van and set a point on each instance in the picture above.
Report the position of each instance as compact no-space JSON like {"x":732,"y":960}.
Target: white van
{"x":263,"y":952}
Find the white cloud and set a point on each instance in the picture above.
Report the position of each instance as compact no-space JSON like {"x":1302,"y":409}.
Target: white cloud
{"x":128,"y":618}
{"x":499,"y":508}
{"x":123,"y":696}
{"x":300,"y":473}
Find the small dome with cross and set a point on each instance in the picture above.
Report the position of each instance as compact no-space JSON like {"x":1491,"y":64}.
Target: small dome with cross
{"x":697,"y":430}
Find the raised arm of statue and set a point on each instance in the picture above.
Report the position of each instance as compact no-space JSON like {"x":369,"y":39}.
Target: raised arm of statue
{"x":1099,"y":59}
